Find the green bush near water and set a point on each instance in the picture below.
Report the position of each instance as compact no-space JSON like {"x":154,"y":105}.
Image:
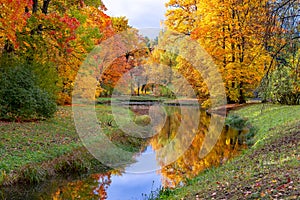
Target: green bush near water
{"x":236,"y":122}
{"x":241,"y":124}
{"x":21,"y":97}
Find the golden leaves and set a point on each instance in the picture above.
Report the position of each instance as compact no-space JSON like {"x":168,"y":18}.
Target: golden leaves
{"x":231,"y":32}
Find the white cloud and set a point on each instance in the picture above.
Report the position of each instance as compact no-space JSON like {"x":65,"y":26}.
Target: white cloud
{"x":141,"y":13}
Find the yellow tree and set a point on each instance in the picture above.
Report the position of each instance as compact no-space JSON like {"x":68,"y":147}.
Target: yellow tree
{"x":120,"y":24}
{"x":178,"y":67}
{"x":231,"y":31}
{"x":181,"y":15}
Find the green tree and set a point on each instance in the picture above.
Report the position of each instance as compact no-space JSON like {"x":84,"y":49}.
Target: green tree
{"x":24,"y":95}
{"x":281,"y":81}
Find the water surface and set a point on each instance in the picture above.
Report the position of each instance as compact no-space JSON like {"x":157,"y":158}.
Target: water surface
{"x":129,"y":183}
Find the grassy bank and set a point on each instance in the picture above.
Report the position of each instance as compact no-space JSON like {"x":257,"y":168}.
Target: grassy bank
{"x":269,"y":169}
{"x":34,"y":151}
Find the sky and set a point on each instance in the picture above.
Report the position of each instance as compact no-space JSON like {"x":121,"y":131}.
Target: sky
{"x":141,"y":13}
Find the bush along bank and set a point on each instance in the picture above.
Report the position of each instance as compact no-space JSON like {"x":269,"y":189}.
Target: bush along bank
{"x":268,"y":169}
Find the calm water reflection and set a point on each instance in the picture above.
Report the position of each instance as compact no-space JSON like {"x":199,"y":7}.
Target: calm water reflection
{"x":116,"y":185}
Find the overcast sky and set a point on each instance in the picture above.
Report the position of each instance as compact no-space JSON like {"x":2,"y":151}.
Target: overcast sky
{"x":141,"y":13}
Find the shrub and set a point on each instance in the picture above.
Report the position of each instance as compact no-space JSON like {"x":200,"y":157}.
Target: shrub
{"x":283,"y":84}
{"x":236,"y":122}
{"x":21,"y":98}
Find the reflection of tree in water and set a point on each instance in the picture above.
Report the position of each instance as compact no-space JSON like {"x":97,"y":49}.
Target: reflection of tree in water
{"x":94,"y":187}
{"x":104,"y":181}
{"x":185,"y":167}
{"x":189,"y":164}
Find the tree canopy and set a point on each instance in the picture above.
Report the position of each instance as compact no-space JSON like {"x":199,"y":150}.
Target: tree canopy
{"x":255,"y":45}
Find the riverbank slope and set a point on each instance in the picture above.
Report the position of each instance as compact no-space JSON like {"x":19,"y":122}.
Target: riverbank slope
{"x":267,"y":170}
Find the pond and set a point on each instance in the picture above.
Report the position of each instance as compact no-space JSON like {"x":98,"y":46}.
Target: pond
{"x":129,"y":183}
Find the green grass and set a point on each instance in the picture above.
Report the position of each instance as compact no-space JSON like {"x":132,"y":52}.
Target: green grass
{"x":33,"y":151}
{"x":268,"y":116}
{"x":24,"y":143}
{"x":267,"y":170}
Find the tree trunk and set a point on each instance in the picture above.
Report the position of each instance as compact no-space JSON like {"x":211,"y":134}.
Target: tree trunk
{"x":35,"y":6}
{"x":241,"y":97}
{"x":45,"y":6}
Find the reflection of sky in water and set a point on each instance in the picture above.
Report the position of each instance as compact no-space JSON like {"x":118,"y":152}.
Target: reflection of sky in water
{"x":145,"y":163}
{"x":132,"y":185}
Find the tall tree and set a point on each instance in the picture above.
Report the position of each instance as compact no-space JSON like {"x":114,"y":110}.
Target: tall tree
{"x":282,"y":40}
{"x":55,"y":33}
{"x":230,"y":31}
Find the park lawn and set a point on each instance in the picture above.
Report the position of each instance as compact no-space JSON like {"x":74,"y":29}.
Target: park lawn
{"x":24,"y":143}
{"x":269,"y":169}
{"x":34,"y":151}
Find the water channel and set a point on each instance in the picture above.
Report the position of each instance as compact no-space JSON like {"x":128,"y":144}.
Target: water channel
{"x":121,"y":184}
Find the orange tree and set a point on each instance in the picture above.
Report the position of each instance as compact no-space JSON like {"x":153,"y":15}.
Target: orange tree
{"x":57,"y":34}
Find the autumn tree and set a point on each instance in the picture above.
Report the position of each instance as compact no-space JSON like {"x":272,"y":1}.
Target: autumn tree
{"x":231,"y":32}
{"x":63,"y":33}
{"x":111,"y":74}
{"x":281,"y":81}
{"x":52,"y":38}
{"x":120,"y":24}
{"x":161,"y":70}
{"x":13,"y":19}
{"x":177,"y":63}
{"x":127,"y":50}
{"x":95,"y":27}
